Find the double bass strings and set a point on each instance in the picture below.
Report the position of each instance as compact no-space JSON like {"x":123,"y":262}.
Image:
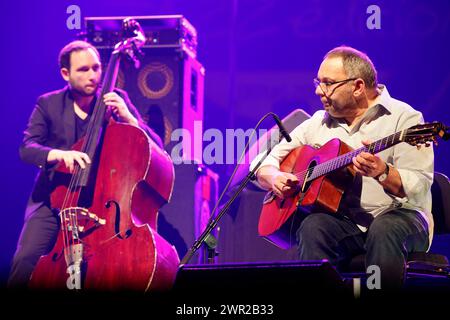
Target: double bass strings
{"x":72,"y":196}
{"x":70,"y":219}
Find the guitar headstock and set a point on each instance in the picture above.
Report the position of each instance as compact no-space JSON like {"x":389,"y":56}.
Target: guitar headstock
{"x":423,"y":134}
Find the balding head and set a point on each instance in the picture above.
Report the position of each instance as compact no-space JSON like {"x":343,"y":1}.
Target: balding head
{"x":356,"y":64}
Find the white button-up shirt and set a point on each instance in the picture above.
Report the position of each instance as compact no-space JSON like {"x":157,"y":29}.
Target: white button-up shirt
{"x":385,"y":118}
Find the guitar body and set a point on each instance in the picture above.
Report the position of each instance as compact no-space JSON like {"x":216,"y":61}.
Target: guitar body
{"x":280,"y":218}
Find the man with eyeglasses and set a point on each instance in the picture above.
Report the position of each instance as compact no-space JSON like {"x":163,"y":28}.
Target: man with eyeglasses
{"x":387,"y":211}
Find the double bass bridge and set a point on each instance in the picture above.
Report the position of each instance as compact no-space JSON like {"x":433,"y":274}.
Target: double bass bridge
{"x":72,"y":216}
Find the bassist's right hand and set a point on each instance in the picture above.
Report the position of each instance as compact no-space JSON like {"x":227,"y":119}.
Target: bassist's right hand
{"x":69,"y":157}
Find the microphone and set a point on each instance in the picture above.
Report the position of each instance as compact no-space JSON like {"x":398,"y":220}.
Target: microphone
{"x":283,"y":131}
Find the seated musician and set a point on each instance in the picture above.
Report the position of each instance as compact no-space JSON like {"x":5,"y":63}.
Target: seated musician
{"x":59,"y":119}
{"x":386,"y":214}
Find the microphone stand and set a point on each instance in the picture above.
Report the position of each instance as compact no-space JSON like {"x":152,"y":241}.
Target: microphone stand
{"x":206,"y":237}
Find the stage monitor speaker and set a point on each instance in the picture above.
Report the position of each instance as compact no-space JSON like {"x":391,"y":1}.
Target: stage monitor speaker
{"x":183,"y":219}
{"x":168,"y":91}
{"x":274,"y":279}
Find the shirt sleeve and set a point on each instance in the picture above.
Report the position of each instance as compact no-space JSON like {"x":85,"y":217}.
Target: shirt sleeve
{"x":415,"y":166}
{"x":33,"y":149}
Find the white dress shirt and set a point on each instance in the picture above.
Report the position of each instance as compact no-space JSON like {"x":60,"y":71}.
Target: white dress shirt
{"x":383,"y":119}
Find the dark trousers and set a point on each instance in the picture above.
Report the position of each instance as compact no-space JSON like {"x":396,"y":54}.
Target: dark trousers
{"x":387,"y":242}
{"x":37,"y":238}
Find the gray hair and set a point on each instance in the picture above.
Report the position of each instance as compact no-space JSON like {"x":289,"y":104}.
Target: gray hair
{"x":356,"y":64}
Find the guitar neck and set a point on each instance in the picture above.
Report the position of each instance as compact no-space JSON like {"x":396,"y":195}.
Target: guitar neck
{"x":346,"y":159}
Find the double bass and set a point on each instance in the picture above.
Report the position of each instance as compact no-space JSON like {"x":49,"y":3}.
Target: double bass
{"x":108,"y":211}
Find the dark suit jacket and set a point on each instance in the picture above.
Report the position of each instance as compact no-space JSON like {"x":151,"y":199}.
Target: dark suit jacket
{"x":52,"y":126}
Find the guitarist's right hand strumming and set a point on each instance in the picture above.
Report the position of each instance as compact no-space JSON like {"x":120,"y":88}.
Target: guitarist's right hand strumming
{"x":283,"y":184}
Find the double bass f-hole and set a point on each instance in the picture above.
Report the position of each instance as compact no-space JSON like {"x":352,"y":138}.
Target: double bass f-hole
{"x":117,"y":220}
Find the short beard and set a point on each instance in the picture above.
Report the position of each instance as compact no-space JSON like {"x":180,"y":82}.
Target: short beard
{"x":82,"y":93}
{"x":349,"y":106}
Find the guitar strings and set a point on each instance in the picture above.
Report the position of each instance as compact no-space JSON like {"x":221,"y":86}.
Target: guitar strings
{"x":372,"y":148}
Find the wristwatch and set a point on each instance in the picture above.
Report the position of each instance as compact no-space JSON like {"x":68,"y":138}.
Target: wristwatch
{"x":384,"y":175}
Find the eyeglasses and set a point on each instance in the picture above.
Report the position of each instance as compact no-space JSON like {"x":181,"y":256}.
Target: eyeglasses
{"x":325,"y":85}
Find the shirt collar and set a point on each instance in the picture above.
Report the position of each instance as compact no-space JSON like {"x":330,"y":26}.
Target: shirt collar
{"x":384,"y":98}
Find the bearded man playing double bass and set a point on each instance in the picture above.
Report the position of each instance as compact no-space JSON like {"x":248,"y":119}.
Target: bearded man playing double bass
{"x":59,"y":119}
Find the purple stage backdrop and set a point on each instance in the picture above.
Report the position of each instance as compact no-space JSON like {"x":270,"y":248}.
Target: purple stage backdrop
{"x":259,"y":56}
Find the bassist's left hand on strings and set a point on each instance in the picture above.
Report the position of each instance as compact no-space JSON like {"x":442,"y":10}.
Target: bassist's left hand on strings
{"x":119,"y":108}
